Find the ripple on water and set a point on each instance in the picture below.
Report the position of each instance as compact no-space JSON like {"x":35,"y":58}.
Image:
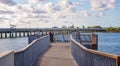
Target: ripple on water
{"x":109,"y":43}
{"x":13,"y":43}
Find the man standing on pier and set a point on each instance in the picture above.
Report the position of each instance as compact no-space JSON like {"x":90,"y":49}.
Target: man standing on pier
{"x":38,"y":34}
{"x":51,"y":36}
{"x":78,"y":36}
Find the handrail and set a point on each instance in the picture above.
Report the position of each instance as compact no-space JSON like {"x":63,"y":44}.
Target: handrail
{"x":94,"y":51}
{"x":5,"y":53}
{"x":28,"y":55}
{"x":7,"y":58}
{"x":116,"y":57}
{"x":31,"y":44}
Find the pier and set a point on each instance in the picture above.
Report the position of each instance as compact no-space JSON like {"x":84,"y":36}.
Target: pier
{"x":74,"y":52}
{"x":57,"y":55}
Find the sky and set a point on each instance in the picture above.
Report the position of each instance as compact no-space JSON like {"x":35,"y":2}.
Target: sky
{"x":50,"y":13}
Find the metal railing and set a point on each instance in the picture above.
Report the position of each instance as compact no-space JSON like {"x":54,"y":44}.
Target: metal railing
{"x":89,"y":57}
{"x":88,"y":40}
{"x":62,"y":37}
{"x":7,"y":58}
{"x":28,"y":55}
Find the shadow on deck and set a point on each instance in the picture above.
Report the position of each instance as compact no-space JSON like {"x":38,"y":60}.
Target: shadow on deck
{"x":57,"y":55}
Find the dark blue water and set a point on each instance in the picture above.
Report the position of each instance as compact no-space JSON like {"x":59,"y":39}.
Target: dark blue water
{"x":15,"y":44}
{"x":109,"y":43}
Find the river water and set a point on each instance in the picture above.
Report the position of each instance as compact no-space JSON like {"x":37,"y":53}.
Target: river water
{"x":107,"y":42}
{"x":15,"y":44}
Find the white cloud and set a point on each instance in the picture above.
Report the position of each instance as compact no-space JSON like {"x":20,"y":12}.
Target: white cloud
{"x":51,"y":12}
{"x":49,"y":7}
{"x":98,"y":5}
{"x":112,"y":1}
{"x":102,"y":5}
{"x":35,"y":1}
{"x":67,"y":4}
{"x":6,"y":12}
{"x":8,"y":2}
{"x":85,"y":13}
{"x":111,"y":6}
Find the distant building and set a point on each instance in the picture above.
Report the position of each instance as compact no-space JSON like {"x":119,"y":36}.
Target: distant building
{"x":55,"y":27}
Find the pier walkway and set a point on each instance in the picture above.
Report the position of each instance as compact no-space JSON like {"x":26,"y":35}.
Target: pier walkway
{"x":57,"y":55}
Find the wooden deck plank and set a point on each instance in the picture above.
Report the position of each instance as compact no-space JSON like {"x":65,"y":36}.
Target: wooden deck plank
{"x":58,"y":55}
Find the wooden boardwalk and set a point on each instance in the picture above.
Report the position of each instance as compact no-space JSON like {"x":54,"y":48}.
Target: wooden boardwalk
{"x":57,"y":55}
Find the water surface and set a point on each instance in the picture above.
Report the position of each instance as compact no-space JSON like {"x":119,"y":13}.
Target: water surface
{"x":13,"y":43}
{"x":109,"y":42}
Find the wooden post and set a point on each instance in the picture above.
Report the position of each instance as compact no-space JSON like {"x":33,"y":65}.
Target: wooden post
{"x":23,"y":34}
{"x":94,"y":41}
{"x":1,"y":35}
{"x":118,"y":61}
{"x":19,"y":34}
{"x":27,"y":33}
{"x":15,"y":34}
{"x":11,"y":34}
{"x":5,"y":35}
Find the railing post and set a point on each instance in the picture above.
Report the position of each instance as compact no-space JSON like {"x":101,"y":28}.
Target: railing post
{"x":94,"y":41}
{"x":118,"y":61}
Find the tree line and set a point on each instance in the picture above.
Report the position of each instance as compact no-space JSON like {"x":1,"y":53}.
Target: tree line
{"x":107,"y":29}
{"x":113,"y":29}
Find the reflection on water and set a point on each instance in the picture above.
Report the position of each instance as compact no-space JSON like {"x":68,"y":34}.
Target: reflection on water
{"x":13,"y":43}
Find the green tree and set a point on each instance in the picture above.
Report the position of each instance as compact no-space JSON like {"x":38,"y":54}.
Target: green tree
{"x":94,"y":26}
{"x":112,"y":29}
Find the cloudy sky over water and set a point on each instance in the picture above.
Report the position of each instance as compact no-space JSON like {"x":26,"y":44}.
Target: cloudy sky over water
{"x":48,"y":13}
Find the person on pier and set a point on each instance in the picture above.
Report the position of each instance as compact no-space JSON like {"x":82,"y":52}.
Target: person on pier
{"x":51,"y":36}
{"x":78,"y":36}
{"x":38,"y":34}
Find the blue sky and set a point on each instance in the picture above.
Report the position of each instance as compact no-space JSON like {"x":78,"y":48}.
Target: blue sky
{"x":49,"y":13}
{"x":21,"y":1}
